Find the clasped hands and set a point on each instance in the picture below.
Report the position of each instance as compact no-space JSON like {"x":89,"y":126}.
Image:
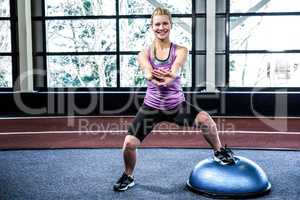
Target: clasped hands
{"x":162,"y":77}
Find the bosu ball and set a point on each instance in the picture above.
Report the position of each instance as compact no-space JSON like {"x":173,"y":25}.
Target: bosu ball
{"x":242,"y":179}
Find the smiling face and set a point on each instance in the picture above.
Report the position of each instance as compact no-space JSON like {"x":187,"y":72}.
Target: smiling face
{"x":161,"y":26}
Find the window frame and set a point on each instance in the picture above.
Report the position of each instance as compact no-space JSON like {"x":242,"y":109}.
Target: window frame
{"x":118,"y":53}
{"x":13,"y":19}
{"x":228,"y":51}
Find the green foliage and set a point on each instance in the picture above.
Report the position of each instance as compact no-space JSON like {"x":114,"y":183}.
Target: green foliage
{"x":139,"y":79}
{"x":232,"y":66}
{"x":87,"y":6}
{"x":3,"y":79}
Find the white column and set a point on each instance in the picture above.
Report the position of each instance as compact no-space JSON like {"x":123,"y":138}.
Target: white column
{"x":25,"y":45}
{"x":210,"y":46}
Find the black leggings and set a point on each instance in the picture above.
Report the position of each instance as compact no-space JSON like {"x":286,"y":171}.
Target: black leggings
{"x":147,"y":117}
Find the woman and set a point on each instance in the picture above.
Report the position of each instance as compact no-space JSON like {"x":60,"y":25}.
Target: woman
{"x":164,"y":100}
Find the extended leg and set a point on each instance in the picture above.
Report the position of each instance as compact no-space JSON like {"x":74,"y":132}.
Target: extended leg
{"x":210,"y":133}
{"x":129,"y":153}
{"x":209,"y":130}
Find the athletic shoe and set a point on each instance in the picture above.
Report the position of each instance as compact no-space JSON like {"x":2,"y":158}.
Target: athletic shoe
{"x":125,"y":182}
{"x":224,"y":156}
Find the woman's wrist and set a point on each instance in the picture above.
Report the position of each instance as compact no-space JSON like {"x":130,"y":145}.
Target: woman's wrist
{"x":148,"y":77}
{"x":173,"y":74}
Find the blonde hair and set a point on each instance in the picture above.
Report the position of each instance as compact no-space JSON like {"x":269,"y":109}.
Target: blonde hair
{"x":161,"y":11}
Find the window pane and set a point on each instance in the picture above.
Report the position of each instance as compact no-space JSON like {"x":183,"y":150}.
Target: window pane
{"x":265,"y":70}
{"x":265,"y":6}
{"x":131,"y":76}
{"x":186,"y":73}
{"x":136,"y":33}
{"x":200,"y":31}
{"x":82,"y":71}
{"x":5,"y":37}
{"x":200,"y":6}
{"x":200,"y":65}
{"x":265,"y":33}
{"x":221,"y":6}
{"x":79,"y":7}
{"x":128,"y":7}
{"x":5,"y":71}
{"x":81,"y":35}
{"x":4,"y":8}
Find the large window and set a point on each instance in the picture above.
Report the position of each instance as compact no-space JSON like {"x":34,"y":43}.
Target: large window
{"x":264,"y":43}
{"x":6,"y":48}
{"x":94,"y":44}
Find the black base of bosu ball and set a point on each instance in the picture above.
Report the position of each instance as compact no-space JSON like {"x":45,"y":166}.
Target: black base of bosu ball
{"x":243,"y":179}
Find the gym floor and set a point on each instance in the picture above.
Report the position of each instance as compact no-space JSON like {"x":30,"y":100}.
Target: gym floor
{"x":64,"y":158}
{"x":161,"y":173}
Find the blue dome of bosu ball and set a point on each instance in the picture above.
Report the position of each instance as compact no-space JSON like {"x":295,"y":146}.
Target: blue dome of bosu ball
{"x":242,"y":179}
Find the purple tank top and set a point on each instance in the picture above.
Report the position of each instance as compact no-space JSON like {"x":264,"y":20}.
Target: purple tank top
{"x":161,"y":97}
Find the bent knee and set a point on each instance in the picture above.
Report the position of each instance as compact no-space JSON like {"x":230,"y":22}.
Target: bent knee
{"x":131,"y":143}
{"x":130,"y":146}
{"x":203,"y":118}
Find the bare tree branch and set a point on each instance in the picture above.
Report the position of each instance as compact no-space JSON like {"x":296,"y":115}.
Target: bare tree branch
{"x":255,"y":8}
